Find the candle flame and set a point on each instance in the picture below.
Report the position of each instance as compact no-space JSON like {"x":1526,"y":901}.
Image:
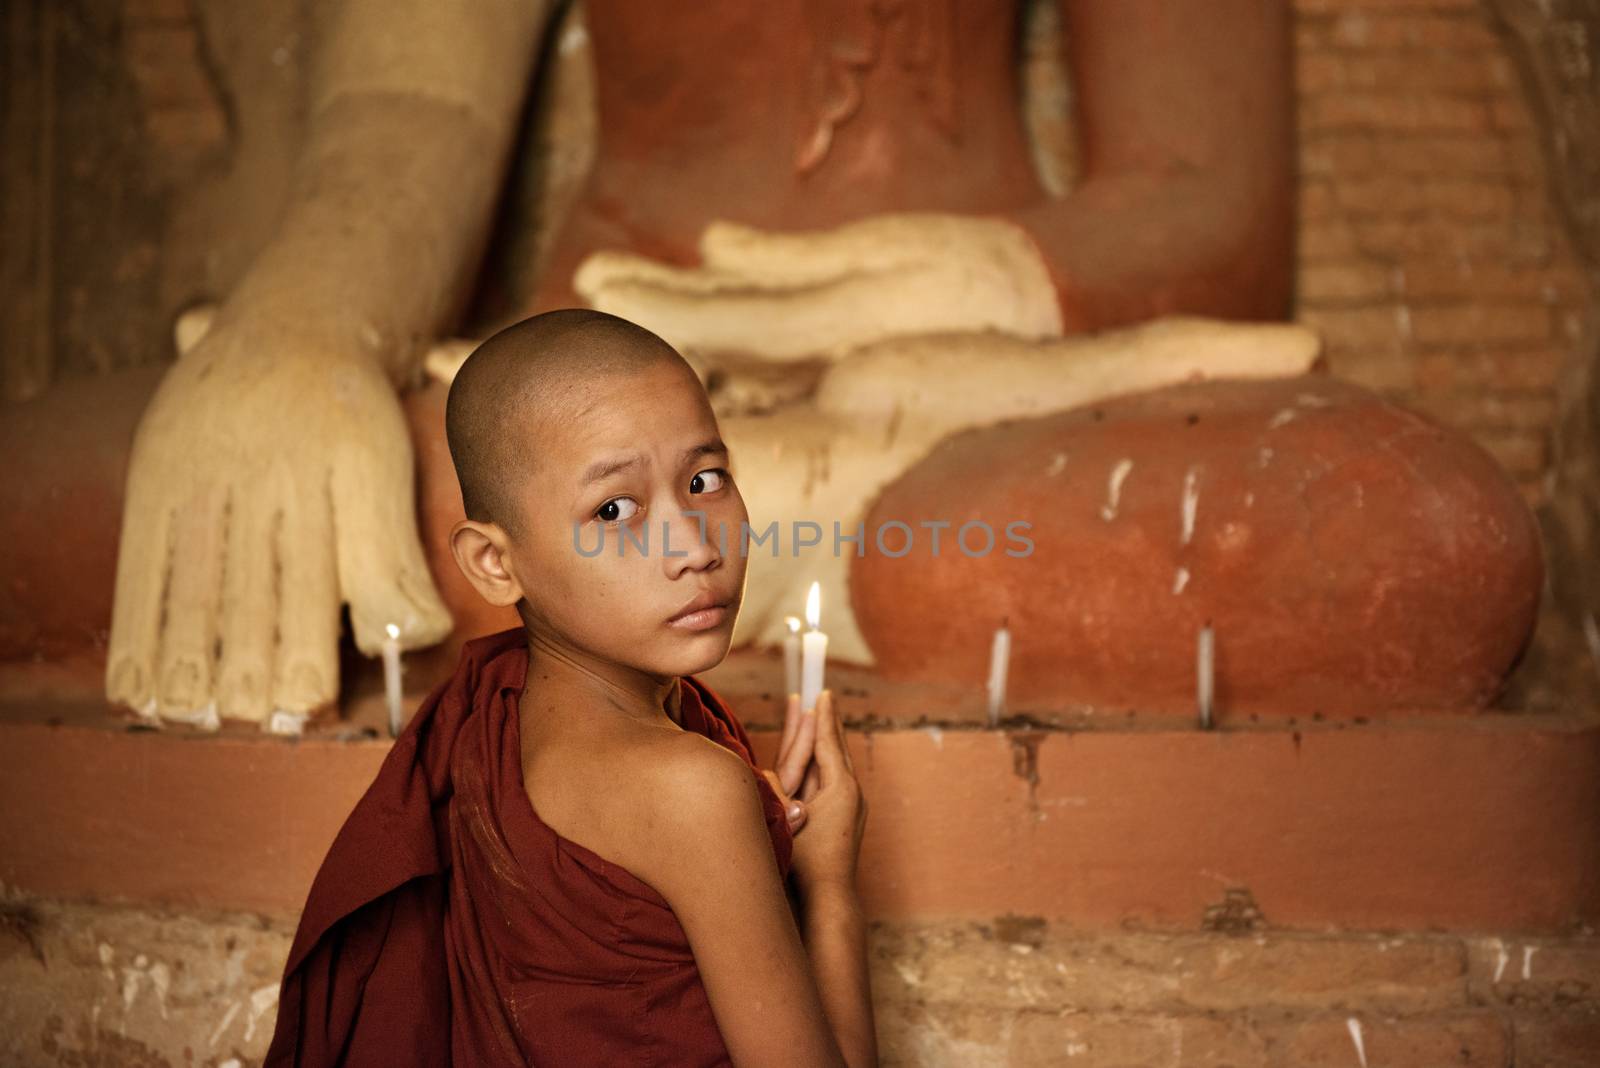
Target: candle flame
{"x":392,"y":630}
{"x":814,"y":605}
{"x":794,"y":624}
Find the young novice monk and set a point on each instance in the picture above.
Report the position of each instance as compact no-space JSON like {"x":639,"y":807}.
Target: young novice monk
{"x":569,"y":858}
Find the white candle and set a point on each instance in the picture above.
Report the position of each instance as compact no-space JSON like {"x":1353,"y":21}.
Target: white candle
{"x":791,"y":658}
{"x":999,"y":663}
{"x":1205,"y":679}
{"x":814,"y":650}
{"x":391,"y":677}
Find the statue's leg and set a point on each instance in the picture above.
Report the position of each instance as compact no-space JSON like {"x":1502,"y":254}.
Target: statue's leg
{"x":884,"y":408}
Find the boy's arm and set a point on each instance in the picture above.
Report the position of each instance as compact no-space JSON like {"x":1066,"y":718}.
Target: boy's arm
{"x":836,"y":938}
{"x":706,"y":849}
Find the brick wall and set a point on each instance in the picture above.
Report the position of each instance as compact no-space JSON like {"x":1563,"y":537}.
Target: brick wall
{"x":1432,"y":255}
{"x":97,"y":984}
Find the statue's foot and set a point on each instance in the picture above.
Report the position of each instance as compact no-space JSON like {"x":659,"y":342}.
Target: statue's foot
{"x":269,"y":484}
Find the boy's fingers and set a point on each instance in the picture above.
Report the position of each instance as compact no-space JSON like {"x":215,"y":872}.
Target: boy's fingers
{"x":843,"y":739}
{"x":838,"y":733}
{"x":830,"y":761}
{"x":792,"y":768}
{"x":790,"y":722}
{"x":810,"y":785}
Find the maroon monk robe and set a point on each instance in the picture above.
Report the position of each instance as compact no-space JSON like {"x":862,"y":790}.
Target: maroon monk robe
{"x":449,"y":925}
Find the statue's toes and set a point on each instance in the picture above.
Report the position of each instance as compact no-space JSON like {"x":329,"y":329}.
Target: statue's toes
{"x":307,"y":665}
{"x":142,"y":567}
{"x":383,"y":574}
{"x":244,"y":689}
{"x":185,"y":691}
{"x":306,"y":684}
{"x":249,"y":621}
{"x":128,"y":683}
{"x":189,"y":633}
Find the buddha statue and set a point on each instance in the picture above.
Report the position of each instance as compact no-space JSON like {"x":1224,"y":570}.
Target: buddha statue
{"x":831,"y":209}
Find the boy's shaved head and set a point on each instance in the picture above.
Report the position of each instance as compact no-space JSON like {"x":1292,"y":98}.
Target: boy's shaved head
{"x":522,"y":379}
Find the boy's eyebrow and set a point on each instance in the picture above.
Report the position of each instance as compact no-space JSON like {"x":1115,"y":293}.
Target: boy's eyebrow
{"x":601,"y":469}
{"x":606,"y":468}
{"x":705,"y":447}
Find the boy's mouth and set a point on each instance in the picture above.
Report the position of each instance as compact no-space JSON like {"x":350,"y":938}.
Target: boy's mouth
{"x":705,"y":610}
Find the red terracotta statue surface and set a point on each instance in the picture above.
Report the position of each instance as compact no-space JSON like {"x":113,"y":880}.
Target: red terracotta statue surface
{"x":815,"y":114}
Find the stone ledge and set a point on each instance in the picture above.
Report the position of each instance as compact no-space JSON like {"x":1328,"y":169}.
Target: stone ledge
{"x":1450,"y":825}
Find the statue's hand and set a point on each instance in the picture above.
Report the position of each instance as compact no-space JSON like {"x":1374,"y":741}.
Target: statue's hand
{"x":270,"y":481}
{"x":784,"y":296}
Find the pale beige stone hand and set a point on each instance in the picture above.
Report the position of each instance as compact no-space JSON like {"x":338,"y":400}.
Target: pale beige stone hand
{"x":795,"y":295}
{"x":270,"y":483}
{"x":960,"y":381}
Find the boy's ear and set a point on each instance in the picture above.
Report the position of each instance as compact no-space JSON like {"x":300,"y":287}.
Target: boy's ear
{"x":482,"y":553}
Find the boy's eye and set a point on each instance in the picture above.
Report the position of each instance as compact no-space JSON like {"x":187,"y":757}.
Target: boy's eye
{"x":719,"y":478}
{"x":612,"y":510}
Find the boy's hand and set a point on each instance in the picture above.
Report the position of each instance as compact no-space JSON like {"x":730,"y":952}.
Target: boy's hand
{"x":794,"y":758}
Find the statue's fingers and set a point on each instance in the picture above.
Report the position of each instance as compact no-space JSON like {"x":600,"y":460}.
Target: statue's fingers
{"x":249,"y":620}
{"x":306,"y":672}
{"x":142,"y":562}
{"x":383,"y":574}
{"x":773,"y":259}
{"x":775,"y":325}
{"x":793,"y":258}
{"x":194,"y":593}
{"x":1213,"y":348}
{"x":601,"y":271}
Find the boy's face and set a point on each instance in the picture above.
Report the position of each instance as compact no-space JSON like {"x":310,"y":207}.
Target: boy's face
{"x":659,"y":425}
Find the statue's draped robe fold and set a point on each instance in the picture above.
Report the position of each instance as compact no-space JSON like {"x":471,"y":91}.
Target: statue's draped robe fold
{"x":450,"y":925}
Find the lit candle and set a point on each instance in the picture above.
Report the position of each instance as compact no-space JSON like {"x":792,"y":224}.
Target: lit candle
{"x":791,"y":658}
{"x":999,"y":663}
{"x":1204,"y":674}
{"x":391,"y":677}
{"x":814,"y":650}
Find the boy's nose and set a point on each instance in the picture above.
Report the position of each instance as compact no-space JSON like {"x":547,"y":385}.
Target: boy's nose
{"x":692,"y":540}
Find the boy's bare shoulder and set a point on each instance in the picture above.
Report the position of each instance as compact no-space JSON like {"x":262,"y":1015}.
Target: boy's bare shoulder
{"x":699,"y":803}
{"x":593,"y":790}
{"x":689,"y":773}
